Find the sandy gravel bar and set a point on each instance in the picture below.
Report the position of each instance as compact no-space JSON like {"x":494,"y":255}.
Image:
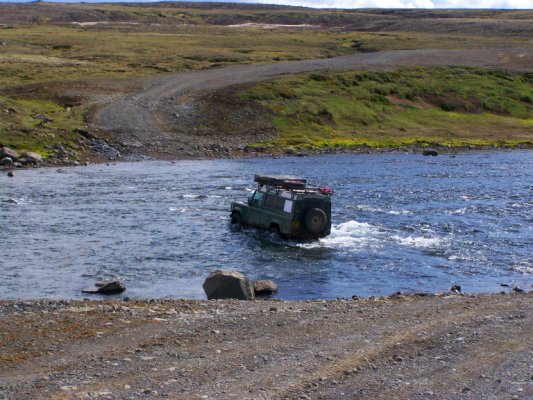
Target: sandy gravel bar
{"x":404,"y":347}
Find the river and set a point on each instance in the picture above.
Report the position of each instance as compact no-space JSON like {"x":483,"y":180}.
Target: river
{"x":401,"y":222}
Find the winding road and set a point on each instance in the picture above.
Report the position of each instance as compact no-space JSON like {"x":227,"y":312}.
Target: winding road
{"x":144,"y":117}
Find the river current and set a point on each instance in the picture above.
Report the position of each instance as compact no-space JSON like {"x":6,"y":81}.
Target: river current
{"x":401,"y":222}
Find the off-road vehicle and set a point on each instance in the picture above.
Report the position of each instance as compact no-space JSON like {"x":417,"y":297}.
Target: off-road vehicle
{"x":287,"y":205}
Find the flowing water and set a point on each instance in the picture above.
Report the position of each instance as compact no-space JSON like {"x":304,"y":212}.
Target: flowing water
{"x":401,"y":222}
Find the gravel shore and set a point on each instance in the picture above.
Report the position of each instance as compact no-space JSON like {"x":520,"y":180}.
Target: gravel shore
{"x":405,"y":347}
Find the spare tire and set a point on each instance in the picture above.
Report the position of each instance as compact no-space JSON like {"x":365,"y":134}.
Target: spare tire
{"x":315,"y":220}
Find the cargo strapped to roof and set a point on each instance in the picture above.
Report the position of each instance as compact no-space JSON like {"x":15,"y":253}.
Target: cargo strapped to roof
{"x":289,"y":182}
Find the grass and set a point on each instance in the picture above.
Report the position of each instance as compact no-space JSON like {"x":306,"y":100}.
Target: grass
{"x":448,"y":106}
{"x":38,"y":125}
{"x":144,"y":40}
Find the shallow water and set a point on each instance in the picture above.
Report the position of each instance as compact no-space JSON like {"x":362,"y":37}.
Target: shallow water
{"x":402,"y":222}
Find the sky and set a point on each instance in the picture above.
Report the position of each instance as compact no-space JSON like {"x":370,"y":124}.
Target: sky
{"x":499,"y":4}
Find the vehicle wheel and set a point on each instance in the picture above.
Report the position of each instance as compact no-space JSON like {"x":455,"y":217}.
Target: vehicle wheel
{"x":315,"y":220}
{"x":236,"y":219}
{"x":274,"y":229}
{"x":274,"y":232}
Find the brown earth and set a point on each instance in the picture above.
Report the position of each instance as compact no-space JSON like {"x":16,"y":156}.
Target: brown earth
{"x":403,"y":347}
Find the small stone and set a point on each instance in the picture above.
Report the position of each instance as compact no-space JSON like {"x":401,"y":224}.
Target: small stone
{"x":397,"y":358}
{"x":264,"y":287}
{"x":113,"y":287}
{"x":11,"y":174}
{"x":455,"y":289}
{"x":516,"y":289}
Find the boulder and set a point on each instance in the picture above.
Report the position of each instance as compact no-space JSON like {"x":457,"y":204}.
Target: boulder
{"x":6,"y":161}
{"x":228,"y":285}
{"x":113,"y":287}
{"x":11,"y":174}
{"x":7,"y":152}
{"x":33,"y":158}
{"x":264,"y":287}
{"x":430,"y":152}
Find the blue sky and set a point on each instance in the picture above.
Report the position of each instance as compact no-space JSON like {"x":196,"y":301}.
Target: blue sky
{"x":501,"y":4}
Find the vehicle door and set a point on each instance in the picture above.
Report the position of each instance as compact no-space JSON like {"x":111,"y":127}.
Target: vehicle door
{"x":256,"y":208}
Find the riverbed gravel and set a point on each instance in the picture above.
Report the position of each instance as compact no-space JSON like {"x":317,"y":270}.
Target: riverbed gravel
{"x":403,"y":346}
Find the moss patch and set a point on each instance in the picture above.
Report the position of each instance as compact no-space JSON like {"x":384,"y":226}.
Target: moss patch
{"x":448,"y":106}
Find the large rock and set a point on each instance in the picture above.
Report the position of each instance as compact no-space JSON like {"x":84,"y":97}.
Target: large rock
{"x":7,"y":152}
{"x":33,"y":158}
{"x":228,"y":285}
{"x":264,"y":287}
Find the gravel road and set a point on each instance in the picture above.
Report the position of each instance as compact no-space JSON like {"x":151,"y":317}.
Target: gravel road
{"x":403,"y":347}
{"x":155,"y":114}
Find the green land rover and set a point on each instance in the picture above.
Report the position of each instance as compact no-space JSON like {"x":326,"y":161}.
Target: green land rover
{"x":286,"y":205}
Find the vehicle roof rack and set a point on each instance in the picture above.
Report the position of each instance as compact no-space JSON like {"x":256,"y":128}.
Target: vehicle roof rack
{"x":284,"y":181}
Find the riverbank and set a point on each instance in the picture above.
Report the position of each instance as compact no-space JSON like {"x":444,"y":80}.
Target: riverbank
{"x":412,"y":346}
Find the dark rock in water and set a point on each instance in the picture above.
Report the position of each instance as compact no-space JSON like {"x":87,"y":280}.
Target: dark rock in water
{"x":113,"y":287}
{"x":517,"y":289}
{"x":6,"y":161}
{"x":7,"y":152}
{"x":228,"y":285}
{"x":430,"y":152}
{"x":455,"y":289}
{"x":264,"y":287}
{"x":11,"y":174}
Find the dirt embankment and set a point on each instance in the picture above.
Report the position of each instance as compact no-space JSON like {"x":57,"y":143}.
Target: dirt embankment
{"x":445,"y":346}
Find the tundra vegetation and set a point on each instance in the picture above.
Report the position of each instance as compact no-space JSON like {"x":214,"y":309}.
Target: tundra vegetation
{"x":446,"y":106}
{"x":58,"y":61}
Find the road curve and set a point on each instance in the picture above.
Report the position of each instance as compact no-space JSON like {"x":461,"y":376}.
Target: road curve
{"x":141,"y":117}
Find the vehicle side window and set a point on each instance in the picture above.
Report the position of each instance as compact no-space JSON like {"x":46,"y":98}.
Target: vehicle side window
{"x":275,"y":202}
{"x":270,"y":201}
{"x":258,"y":197}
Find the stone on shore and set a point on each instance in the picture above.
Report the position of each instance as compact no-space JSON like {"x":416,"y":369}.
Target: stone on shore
{"x":6,"y":161}
{"x":113,"y":287}
{"x":228,"y":285}
{"x":264,"y":287}
{"x":7,"y":152}
{"x":32,"y":158}
{"x":430,"y":152}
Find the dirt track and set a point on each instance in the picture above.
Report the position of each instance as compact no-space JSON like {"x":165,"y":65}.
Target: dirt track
{"x":403,"y":347}
{"x":154,"y":120}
